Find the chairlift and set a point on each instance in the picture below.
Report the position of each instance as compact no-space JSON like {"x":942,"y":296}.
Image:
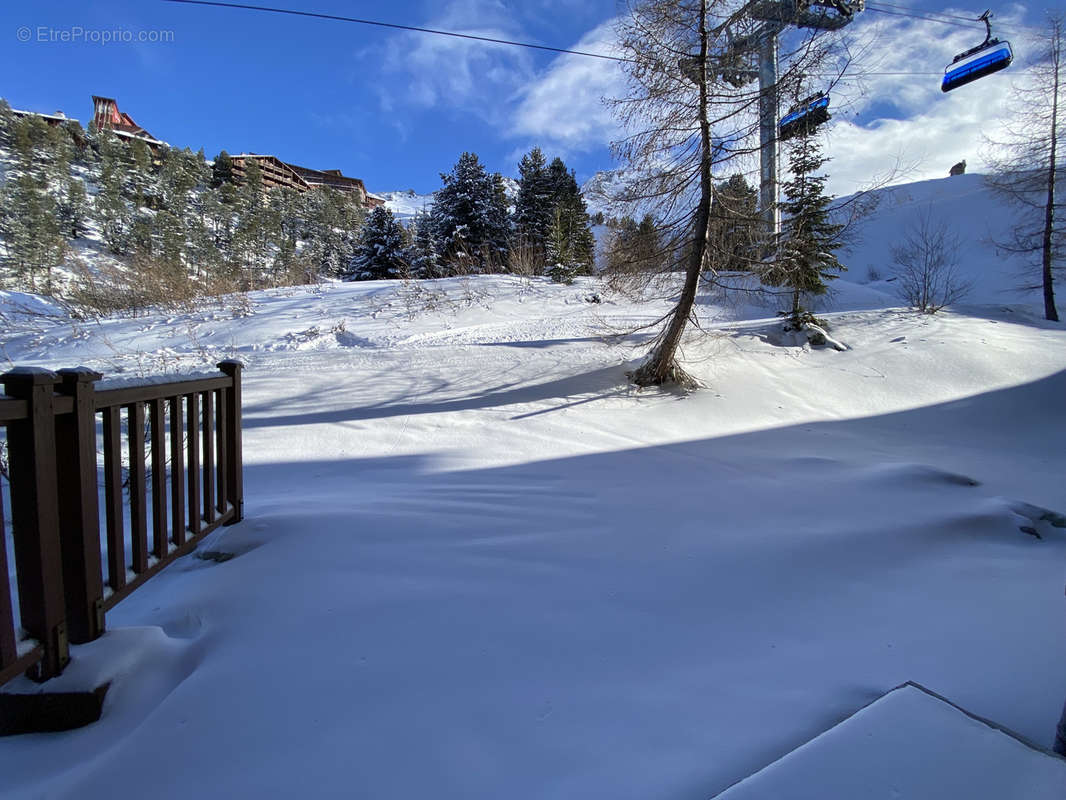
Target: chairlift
{"x":805,"y":115}
{"x":990,"y":56}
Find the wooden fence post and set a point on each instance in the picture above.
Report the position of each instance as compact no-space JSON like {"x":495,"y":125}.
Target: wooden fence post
{"x":34,"y":517}
{"x":79,"y":507}
{"x":235,"y":454}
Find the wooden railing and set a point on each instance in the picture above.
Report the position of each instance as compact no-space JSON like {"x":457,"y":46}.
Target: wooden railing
{"x":181,"y":442}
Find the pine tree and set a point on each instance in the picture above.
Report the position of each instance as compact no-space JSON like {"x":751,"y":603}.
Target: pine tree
{"x":734,"y":232}
{"x":570,"y":220}
{"x":422,"y":256}
{"x":470,"y":217}
{"x":33,"y":239}
{"x":76,"y":209}
{"x":113,"y":212}
{"x":7,"y":125}
{"x":805,"y":259}
{"x":31,"y":227}
{"x":381,"y":252}
{"x":222,"y":170}
{"x":175,"y":182}
{"x":254,"y":229}
{"x":533,"y":214}
{"x":287,"y":210}
{"x":208,"y":224}
{"x":333,"y":224}
{"x":561,"y":181}
{"x":634,"y":252}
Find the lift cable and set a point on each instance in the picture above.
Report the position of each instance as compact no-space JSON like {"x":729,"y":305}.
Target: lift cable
{"x":926,"y":17}
{"x":395,"y":26}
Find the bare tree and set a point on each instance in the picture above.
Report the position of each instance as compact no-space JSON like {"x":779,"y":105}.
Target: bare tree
{"x":691,"y":107}
{"x":1026,"y":164}
{"x":928,"y":265}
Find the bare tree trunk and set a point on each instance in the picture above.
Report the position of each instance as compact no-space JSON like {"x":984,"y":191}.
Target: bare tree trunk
{"x":661,"y":366}
{"x":1050,"y":311}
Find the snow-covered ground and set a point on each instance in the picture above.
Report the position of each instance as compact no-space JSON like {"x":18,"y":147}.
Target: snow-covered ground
{"x":477,"y":564}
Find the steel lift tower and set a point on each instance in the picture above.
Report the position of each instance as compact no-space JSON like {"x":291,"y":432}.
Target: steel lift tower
{"x":771,"y":17}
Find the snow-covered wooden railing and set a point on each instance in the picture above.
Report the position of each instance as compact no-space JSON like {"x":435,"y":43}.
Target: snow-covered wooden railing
{"x":181,"y":441}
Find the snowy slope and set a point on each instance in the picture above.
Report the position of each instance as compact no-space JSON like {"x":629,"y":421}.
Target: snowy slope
{"x":476,"y":564}
{"x":406,"y":205}
{"x":971,"y":211}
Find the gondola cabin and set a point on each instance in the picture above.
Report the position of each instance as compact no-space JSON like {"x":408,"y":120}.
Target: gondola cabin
{"x":805,"y":115}
{"x":968,"y":67}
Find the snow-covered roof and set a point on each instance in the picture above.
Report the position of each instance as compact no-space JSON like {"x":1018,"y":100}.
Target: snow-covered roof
{"x":146,"y":139}
{"x":59,"y":116}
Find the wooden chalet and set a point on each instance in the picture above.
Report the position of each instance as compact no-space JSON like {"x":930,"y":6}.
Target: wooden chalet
{"x":106,"y":116}
{"x":280,"y":174}
{"x":276,"y":173}
{"x":55,"y":120}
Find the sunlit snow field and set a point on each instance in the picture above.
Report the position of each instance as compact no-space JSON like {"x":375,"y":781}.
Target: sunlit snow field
{"x":477,"y":564}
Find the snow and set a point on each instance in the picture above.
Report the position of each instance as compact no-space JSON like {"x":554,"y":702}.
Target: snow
{"x":406,"y":205}
{"x":910,"y":744}
{"x":476,"y":563}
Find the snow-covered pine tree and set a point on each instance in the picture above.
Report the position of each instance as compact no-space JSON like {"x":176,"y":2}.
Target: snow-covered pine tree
{"x":32,"y":234}
{"x":470,"y":217}
{"x":113,"y":212}
{"x":7,"y":126}
{"x":256,"y":229}
{"x":332,"y":228}
{"x":66,"y":188}
{"x":571,"y":232}
{"x":533,"y":213}
{"x":287,"y":207}
{"x":142,"y":191}
{"x":805,"y":259}
{"x":381,"y":252}
{"x":422,"y":256}
{"x":177,"y":179}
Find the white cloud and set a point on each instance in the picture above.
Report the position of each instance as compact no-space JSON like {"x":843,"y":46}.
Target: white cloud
{"x":453,"y":73}
{"x":563,"y":107}
{"x":882,"y":120}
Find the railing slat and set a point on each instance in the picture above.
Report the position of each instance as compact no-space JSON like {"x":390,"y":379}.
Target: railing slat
{"x":234,"y":445}
{"x":138,"y":507}
{"x":208,"y":464}
{"x":8,"y":648}
{"x":221,"y":445}
{"x":157,"y":424}
{"x":195,"y":512}
{"x":177,"y":473}
{"x":116,"y":535}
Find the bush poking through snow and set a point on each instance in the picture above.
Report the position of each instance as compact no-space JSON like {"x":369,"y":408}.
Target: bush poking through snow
{"x":928,"y":265}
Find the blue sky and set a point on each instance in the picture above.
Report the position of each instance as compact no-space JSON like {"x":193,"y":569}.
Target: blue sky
{"x":397,"y":108}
